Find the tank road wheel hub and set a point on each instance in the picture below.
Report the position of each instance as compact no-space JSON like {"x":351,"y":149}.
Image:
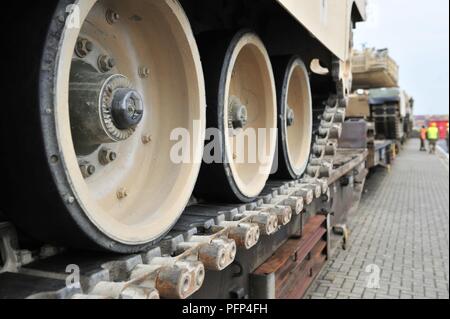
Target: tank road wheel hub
{"x":123,"y":84}
{"x":238,"y":114}
{"x":290,"y":117}
{"x":103,"y":108}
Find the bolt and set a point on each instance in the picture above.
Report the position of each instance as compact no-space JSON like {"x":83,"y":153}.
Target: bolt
{"x":122,"y":193}
{"x":54,"y":159}
{"x":146,"y":139}
{"x":70,"y":199}
{"x":144,"y":72}
{"x":87,"y":170}
{"x":290,"y":117}
{"x":106,"y":156}
{"x":112,"y":156}
{"x":89,"y":46}
{"x":112,"y":16}
{"x":91,"y":169}
{"x":106,"y":63}
{"x":131,"y":107}
{"x":83,"y":47}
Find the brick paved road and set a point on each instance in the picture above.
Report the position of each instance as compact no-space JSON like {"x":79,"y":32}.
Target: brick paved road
{"x":443,"y":144}
{"x":402,"y":229}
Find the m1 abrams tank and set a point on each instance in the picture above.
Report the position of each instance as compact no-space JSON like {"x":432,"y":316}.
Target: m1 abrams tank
{"x":113,"y":87}
{"x":374,"y":69}
{"x":378,"y":106}
{"x":391,"y":110}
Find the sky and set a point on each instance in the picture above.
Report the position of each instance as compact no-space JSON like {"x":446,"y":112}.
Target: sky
{"x":416,"y":32}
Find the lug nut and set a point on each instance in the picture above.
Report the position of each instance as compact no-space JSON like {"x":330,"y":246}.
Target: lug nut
{"x":144,"y":72}
{"x":122,"y":193}
{"x":87,"y":170}
{"x":106,"y":156}
{"x":106,"y":63}
{"x":89,"y":46}
{"x":112,"y":16}
{"x":70,"y":199}
{"x":83,"y":47}
{"x":146,"y":139}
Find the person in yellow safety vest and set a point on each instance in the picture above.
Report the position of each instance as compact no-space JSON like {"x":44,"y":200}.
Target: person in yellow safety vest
{"x":423,"y":138}
{"x":433,"y":137}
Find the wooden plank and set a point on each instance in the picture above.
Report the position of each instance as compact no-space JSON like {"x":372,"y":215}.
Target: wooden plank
{"x":313,"y":267}
{"x":297,"y":263}
{"x":311,"y":235}
{"x":286,"y":282}
{"x":306,"y":274}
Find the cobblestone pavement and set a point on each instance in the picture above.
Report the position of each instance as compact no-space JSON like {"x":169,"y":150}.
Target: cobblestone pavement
{"x":400,"y":235}
{"x":443,"y":144}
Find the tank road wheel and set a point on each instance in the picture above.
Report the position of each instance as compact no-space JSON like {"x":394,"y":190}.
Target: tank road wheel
{"x":99,"y":173}
{"x":241,"y":101}
{"x":295,"y":116}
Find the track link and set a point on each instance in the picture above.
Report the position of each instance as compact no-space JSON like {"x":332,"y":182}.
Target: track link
{"x":206,"y":238}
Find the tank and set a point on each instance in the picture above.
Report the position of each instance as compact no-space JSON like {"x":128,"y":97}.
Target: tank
{"x":134,"y":112}
{"x":389,"y":112}
{"x":374,"y":68}
{"x":114,"y":88}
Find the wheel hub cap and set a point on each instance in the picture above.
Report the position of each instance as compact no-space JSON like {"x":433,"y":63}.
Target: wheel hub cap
{"x":238,"y":114}
{"x":104,"y":108}
{"x":127,"y":108}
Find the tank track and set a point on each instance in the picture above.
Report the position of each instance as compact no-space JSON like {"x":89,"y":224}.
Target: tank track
{"x":206,"y":237}
{"x":328,"y":128}
{"x":325,"y":146}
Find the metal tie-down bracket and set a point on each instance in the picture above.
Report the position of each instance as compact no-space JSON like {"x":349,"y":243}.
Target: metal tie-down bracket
{"x":11,"y":257}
